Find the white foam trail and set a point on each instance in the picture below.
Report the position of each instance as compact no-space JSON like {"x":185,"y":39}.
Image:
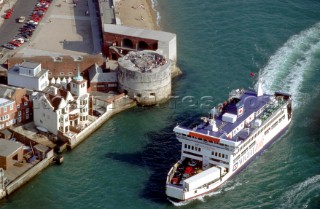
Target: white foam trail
{"x":300,"y":192}
{"x":154,"y":4}
{"x":286,"y":68}
{"x":232,"y":187}
{"x":178,"y":204}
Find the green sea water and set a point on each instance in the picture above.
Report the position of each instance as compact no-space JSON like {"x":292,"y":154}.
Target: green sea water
{"x":124,"y":164}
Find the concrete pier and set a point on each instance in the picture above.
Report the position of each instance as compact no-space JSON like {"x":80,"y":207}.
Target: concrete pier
{"x":25,"y":177}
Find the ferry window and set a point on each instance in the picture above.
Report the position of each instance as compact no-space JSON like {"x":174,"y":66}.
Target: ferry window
{"x":226,"y":156}
{"x":192,"y":148}
{"x":185,"y":146}
{"x":188,"y":146}
{"x":222,"y":155}
{"x":199,"y":149}
{"x":219,"y":154}
{"x":215,"y":154}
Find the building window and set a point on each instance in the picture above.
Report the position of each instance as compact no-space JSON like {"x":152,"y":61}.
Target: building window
{"x":70,"y":73}
{"x":18,"y":106}
{"x":61,"y":73}
{"x":25,"y":103}
{"x":11,"y":107}
{"x":19,"y":113}
{"x":27,"y":116}
{"x":27,"y":110}
{"x":4,"y":109}
{"x":19,"y":120}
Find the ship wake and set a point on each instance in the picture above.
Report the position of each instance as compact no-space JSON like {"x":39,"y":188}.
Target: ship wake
{"x":299,"y":196}
{"x":288,"y":68}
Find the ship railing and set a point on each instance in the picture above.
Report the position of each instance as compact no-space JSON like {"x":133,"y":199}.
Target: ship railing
{"x":205,"y":142}
{"x":273,"y":114}
{"x":171,"y":173}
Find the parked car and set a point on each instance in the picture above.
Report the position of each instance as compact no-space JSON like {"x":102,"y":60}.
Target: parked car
{"x":24,"y":38}
{"x":8,"y":15}
{"x":24,"y":35}
{"x":15,"y":43}
{"x":21,"y":40}
{"x":33,"y":22}
{"x":21,"y":19}
{"x":8,"y":46}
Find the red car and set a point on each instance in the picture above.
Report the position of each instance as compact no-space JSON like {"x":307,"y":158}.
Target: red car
{"x":15,"y":43}
{"x":8,"y":13}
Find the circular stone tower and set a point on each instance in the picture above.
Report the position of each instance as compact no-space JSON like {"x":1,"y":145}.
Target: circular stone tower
{"x":145,"y":76}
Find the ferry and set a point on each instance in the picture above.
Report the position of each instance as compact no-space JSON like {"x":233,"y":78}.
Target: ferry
{"x":226,"y":141}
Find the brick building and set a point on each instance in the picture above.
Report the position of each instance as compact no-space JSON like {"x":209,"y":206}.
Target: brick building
{"x":118,"y":40}
{"x":23,"y":106}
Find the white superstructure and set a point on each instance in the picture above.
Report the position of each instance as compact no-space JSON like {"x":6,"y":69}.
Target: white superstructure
{"x":226,"y":141}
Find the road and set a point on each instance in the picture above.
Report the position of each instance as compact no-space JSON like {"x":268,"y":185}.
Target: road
{"x":10,"y":26}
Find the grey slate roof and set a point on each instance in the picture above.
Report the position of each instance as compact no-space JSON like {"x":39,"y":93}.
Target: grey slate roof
{"x":8,"y":147}
{"x":31,"y":65}
{"x":97,"y":75}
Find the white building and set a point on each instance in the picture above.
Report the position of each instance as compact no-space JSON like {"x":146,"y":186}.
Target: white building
{"x":59,"y":110}
{"x":28,"y":75}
